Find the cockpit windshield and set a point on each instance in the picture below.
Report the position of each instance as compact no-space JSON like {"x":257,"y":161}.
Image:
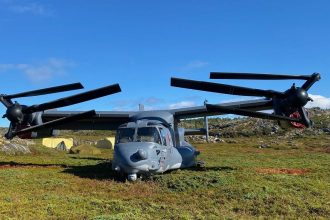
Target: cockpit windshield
{"x":148,"y":134}
{"x":125,"y":135}
{"x":144,"y":134}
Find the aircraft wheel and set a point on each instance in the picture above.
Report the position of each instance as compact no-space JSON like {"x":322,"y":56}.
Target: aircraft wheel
{"x":132,"y":177}
{"x":200,"y":164}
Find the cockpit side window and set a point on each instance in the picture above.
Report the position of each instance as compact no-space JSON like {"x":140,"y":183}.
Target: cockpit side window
{"x":148,"y":134}
{"x":163,"y":136}
{"x":125,"y":135}
{"x":166,"y":137}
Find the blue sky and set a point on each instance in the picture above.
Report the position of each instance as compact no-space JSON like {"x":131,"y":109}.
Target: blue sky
{"x":141,"y":44}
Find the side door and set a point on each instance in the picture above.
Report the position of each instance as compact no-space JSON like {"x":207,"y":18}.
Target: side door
{"x":167,"y":144}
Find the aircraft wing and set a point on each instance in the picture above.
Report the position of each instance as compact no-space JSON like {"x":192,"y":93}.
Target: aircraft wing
{"x":103,"y":120}
{"x":201,"y":111}
{"x":111,"y":120}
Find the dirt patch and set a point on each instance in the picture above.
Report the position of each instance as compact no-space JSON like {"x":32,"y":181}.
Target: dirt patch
{"x":327,"y":150}
{"x":282,"y":171}
{"x":319,"y":149}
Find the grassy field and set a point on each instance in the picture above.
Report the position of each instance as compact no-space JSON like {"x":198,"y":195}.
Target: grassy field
{"x":290,"y":179}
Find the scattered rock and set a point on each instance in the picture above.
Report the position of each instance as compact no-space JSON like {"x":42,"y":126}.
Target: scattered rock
{"x":232,"y":141}
{"x":218,"y":140}
{"x":14,"y":149}
{"x":326,"y":130}
{"x":61,"y":146}
{"x":85,"y":150}
{"x":264,"y":146}
{"x":15,"y":146}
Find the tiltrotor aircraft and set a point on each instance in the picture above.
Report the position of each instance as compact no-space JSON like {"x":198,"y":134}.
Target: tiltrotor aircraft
{"x":149,"y":142}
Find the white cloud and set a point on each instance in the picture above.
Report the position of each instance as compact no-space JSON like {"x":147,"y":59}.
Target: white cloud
{"x":5,"y":67}
{"x":27,"y":7}
{"x":240,"y":99}
{"x":196,"y":64}
{"x":43,"y":71}
{"x":150,"y":103}
{"x":182,"y":104}
{"x":33,"y":8}
{"x":319,"y":101}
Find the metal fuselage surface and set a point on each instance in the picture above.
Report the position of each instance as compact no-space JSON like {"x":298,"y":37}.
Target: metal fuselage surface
{"x":149,"y":146}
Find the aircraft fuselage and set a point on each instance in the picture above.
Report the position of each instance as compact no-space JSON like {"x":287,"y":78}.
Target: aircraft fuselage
{"x":147,"y":147}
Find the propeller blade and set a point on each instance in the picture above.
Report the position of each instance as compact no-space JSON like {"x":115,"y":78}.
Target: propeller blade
{"x":78,"y":98}
{"x":308,"y":84}
{"x":45,"y":91}
{"x":256,"y":76}
{"x":9,"y":134}
{"x":223,"y":88}
{"x":56,"y":122}
{"x":217,"y":108}
{"x":304,"y":117}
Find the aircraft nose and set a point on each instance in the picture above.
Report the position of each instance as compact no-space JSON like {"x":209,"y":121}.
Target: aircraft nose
{"x":134,"y":157}
{"x":142,"y":154}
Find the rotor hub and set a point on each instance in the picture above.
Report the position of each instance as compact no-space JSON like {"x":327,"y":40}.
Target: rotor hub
{"x":15,"y":114}
{"x":297,"y":97}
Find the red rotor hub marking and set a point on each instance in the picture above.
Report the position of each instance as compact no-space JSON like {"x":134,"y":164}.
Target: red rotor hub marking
{"x":296,"y":124}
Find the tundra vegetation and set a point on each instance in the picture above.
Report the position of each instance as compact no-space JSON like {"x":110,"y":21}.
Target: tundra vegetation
{"x":270,"y":174}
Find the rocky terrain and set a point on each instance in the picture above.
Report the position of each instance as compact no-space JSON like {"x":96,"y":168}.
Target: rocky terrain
{"x":220,"y":128}
{"x":14,"y":146}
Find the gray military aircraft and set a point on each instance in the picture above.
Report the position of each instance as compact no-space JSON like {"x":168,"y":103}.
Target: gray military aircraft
{"x":149,"y":142}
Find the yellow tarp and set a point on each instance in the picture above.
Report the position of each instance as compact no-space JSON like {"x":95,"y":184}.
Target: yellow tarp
{"x":54,"y":142}
{"x":108,"y":143}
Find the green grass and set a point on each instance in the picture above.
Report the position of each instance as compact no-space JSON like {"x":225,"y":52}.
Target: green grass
{"x":54,"y":185}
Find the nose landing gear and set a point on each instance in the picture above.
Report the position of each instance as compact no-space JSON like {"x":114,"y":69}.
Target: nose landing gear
{"x":132,"y":177}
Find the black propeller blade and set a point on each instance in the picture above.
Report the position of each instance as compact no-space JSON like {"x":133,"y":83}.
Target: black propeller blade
{"x":304,"y":117}
{"x":285,"y":104}
{"x":256,"y":76}
{"x":223,"y":88}
{"x":227,"y":110}
{"x":55,"y":89}
{"x":308,"y":84}
{"x":81,"y":97}
{"x":54,"y":123}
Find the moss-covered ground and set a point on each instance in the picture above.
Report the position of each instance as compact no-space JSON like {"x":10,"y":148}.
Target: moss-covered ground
{"x":290,"y":179}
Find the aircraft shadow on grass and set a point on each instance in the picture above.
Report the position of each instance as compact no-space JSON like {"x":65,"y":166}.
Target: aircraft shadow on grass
{"x":12,"y":164}
{"x":100,"y":171}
